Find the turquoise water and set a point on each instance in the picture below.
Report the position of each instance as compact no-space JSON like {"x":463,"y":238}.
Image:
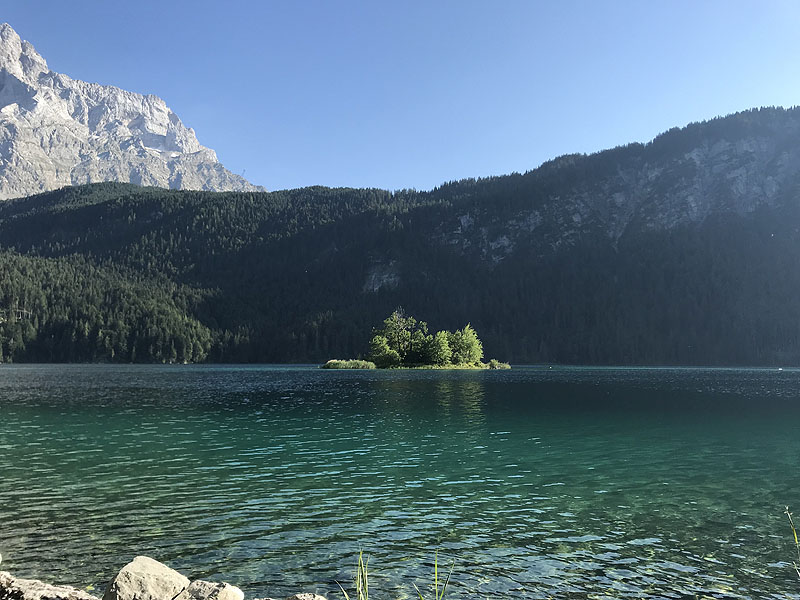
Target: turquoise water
{"x":570,"y":483}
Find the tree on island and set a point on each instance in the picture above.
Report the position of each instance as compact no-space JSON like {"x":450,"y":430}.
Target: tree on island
{"x":404,"y":341}
{"x":441,"y":354}
{"x":381,"y":354}
{"x":465,"y":347}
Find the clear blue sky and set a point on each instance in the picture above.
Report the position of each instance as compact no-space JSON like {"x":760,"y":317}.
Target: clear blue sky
{"x":414,"y":93}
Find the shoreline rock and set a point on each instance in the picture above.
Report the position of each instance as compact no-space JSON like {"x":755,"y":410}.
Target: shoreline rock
{"x":12,"y":588}
{"x":141,"y":579}
{"x":146,"y":579}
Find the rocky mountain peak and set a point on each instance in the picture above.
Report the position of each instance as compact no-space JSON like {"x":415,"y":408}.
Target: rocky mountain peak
{"x":56,"y":131}
{"x":18,"y":57}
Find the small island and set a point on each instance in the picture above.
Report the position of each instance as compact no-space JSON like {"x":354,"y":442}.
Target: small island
{"x":405,"y":343}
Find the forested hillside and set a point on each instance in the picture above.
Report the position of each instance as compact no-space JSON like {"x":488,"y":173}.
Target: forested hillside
{"x":681,"y":251}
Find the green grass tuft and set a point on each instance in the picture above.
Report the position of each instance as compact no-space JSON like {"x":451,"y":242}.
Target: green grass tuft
{"x":362,"y":579}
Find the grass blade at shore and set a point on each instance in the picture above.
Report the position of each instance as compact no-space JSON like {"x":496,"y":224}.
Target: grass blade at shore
{"x":362,"y":579}
{"x":437,"y":594}
{"x":796,"y":543}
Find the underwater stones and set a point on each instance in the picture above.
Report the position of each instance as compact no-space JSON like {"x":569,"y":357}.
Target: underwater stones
{"x":12,"y":588}
{"x":146,"y":579}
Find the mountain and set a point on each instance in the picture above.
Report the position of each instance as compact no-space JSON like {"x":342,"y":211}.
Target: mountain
{"x":56,"y":131}
{"x":734,"y":165}
{"x":680,"y":251}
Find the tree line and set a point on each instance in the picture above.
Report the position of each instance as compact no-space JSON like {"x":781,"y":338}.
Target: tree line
{"x":114,"y":272}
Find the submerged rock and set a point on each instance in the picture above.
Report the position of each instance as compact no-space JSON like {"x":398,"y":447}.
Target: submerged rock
{"x":146,"y":579}
{"x":305,"y":596}
{"x":12,"y":588}
{"x":208,"y":590}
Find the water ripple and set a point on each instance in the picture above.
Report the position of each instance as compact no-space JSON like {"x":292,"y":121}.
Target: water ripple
{"x":574,"y":483}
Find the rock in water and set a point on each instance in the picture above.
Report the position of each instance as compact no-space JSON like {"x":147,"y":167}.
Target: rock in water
{"x":12,"y":588}
{"x":207,"y":590}
{"x":305,"y":596}
{"x":146,"y":579}
{"x":56,"y":131}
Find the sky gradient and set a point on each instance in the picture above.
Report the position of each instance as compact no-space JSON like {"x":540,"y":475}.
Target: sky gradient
{"x":415,"y":93}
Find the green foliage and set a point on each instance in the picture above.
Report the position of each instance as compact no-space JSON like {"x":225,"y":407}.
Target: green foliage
{"x":361,"y":579}
{"x":439,"y":352}
{"x":381,"y":354}
{"x":496,"y":364}
{"x":70,"y":310}
{"x":465,"y":346}
{"x":405,"y":341}
{"x":348,"y":364}
{"x":405,"y":335}
{"x":402,"y":341}
{"x":420,"y":348}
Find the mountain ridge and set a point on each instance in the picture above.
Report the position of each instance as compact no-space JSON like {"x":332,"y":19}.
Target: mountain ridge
{"x":738,"y":163}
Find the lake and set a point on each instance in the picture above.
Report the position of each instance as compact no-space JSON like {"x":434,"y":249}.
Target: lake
{"x":537,"y":482}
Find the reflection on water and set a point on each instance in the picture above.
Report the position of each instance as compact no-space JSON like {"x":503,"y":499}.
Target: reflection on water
{"x":465,"y":397}
{"x":571,"y":483}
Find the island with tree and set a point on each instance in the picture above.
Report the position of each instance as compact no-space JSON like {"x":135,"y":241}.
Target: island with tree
{"x":405,"y":342}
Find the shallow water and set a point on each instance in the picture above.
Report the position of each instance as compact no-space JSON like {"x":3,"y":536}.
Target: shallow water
{"x":566,"y":482}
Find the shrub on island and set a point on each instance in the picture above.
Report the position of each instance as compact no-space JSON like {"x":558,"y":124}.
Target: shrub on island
{"x":403,"y":341}
{"x":496,"y":364}
{"x":348,"y":364}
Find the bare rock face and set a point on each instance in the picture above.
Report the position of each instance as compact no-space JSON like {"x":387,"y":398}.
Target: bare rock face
{"x":12,"y":588}
{"x":146,"y":579}
{"x":56,"y":131}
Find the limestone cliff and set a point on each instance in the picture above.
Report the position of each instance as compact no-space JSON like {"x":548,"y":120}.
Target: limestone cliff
{"x":56,"y":131}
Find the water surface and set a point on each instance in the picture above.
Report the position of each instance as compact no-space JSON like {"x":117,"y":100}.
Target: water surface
{"x":566,"y":482}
